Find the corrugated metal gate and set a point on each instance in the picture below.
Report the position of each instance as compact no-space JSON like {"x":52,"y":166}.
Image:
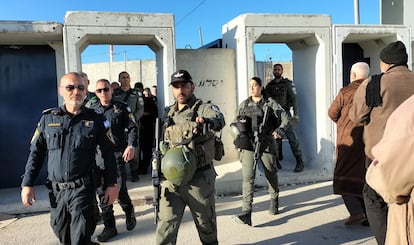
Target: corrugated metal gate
{"x":27,"y":86}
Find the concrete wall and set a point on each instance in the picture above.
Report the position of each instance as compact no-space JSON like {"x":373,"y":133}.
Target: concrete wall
{"x":308,"y":36}
{"x":139,"y":70}
{"x":155,"y":30}
{"x":214,"y":75}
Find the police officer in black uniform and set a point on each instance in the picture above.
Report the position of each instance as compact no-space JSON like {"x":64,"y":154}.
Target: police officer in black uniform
{"x":284,"y":92}
{"x":133,"y":97}
{"x":121,"y":119}
{"x":68,"y":136}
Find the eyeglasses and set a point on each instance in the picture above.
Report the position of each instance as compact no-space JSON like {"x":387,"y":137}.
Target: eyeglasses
{"x":99,"y":90}
{"x":71,"y":87}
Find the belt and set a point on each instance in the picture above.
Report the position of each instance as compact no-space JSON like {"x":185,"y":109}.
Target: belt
{"x":205,"y":167}
{"x":71,"y":184}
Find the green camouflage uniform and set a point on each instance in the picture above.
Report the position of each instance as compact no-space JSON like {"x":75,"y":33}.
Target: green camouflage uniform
{"x":254,"y":110}
{"x":284,"y":92}
{"x":199,"y":193}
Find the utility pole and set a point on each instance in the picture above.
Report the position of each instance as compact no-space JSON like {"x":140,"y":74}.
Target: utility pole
{"x":201,"y":36}
{"x":111,"y":53}
{"x":356,"y":12}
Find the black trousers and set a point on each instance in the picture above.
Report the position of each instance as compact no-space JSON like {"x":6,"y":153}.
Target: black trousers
{"x":377,"y":212}
{"x":123,"y":197}
{"x":72,"y":216}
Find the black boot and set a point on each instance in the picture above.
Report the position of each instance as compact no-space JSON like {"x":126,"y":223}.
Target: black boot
{"x":244,"y":218}
{"x":274,"y":206}
{"x":130,"y":219}
{"x":106,"y":234}
{"x":299,"y":165}
{"x":278,"y":164}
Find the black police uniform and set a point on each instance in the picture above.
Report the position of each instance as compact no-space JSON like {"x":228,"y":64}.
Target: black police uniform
{"x":69,"y":143}
{"x":147,"y":133}
{"x":121,"y":118}
{"x":133,"y":97}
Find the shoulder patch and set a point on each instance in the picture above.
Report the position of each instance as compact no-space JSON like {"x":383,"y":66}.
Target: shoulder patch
{"x":99,"y":110}
{"x":36,"y":133}
{"x":107,"y":124}
{"x":215,"y":108}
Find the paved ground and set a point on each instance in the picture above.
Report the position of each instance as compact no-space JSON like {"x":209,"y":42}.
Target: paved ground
{"x":310,"y":214}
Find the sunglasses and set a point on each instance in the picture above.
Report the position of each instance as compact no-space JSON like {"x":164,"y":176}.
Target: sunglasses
{"x":81,"y":87}
{"x":99,"y":90}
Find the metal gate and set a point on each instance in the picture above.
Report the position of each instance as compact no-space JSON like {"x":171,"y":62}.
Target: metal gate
{"x":27,"y":86}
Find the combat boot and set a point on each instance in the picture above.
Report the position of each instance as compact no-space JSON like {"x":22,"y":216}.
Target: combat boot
{"x":274,"y":206}
{"x":130,"y":219}
{"x":299,"y":165}
{"x":244,"y":218}
{"x":107,"y":233}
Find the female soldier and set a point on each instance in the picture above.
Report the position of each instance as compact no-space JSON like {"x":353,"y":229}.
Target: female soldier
{"x":256,"y":141}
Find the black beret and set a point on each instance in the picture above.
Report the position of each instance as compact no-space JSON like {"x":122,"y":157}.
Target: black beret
{"x":395,"y":53}
{"x":181,"y":76}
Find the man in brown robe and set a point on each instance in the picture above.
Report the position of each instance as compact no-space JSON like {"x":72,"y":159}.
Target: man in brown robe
{"x":349,"y":173}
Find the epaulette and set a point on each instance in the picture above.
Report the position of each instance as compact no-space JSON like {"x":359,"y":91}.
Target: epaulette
{"x":97,"y":110}
{"x":116,"y":102}
{"x":135,"y":91}
{"x":53,"y":111}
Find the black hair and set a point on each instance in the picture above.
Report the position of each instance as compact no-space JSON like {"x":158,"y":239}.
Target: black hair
{"x":278,"y":64}
{"x":258,"y":80}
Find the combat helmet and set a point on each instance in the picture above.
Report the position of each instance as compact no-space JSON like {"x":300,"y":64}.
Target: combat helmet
{"x":179,"y":165}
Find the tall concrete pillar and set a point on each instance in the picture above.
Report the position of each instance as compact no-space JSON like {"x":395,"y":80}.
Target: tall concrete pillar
{"x":155,"y":30}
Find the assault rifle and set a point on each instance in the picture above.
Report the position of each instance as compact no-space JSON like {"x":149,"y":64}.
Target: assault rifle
{"x":257,"y":143}
{"x":156,"y":171}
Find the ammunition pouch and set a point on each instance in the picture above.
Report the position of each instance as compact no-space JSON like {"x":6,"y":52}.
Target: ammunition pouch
{"x":219,"y":148}
{"x":243,"y":142}
{"x":180,"y":134}
{"x":205,"y":149}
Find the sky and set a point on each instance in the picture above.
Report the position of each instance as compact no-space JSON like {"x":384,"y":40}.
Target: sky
{"x":197,"y":22}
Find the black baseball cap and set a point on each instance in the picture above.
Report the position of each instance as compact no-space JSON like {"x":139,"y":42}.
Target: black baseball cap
{"x":181,"y":76}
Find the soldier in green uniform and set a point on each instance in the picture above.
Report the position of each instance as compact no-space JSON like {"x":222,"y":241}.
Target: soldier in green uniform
{"x":188,"y":150}
{"x":133,"y":98}
{"x":250,"y":116}
{"x":283,"y":91}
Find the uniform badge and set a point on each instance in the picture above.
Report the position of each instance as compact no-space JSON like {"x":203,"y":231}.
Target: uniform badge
{"x":88,"y":124}
{"x":36,"y":133}
{"x":109,"y":135}
{"x":99,"y":110}
{"x":107,"y":124}
{"x":54,"y":125}
{"x":132,"y":117}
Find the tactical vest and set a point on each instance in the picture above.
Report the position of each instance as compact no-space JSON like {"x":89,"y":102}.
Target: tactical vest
{"x":278,"y":91}
{"x":254,"y":111}
{"x":182,"y":133}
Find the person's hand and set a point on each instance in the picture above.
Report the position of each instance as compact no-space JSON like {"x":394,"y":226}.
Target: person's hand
{"x":129,"y":153}
{"x":199,"y":120}
{"x":279,"y":133}
{"x":28,"y":195}
{"x":111,"y":194}
{"x":276,"y":135}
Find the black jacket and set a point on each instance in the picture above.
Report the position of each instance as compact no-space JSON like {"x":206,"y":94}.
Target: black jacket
{"x":69,"y":144}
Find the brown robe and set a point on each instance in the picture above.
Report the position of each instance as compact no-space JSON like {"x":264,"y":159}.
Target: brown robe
{"x":349,"y":172}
